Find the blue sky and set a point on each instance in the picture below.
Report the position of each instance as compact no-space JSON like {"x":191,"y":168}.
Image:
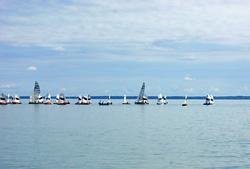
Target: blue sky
{"x":110,"y":47}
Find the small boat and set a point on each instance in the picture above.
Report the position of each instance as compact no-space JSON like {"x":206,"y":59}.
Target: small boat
{"x":89,"y":99}
{"x":79,"y":101}
{"x":209,"y":100}
{"x":62,"y":100}
{"x":125,"y":101}
{"x":36,"y":97}
{"x":16,"y":99}
{"x":160,"y":100}
{"x":142,"y":98}
{"x":8,"y":99}
{"x":185,"y":102}
{"x":109,"y":102}
{"x":3,"y":100}
{"x":85,"y":100}
{"x":57,"y":99}
{"x":48,"y":99}
{"x":165,"y":100}
{"x":103,"y":103}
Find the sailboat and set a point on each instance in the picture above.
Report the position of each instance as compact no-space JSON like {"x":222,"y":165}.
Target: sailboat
{"x":48,"y":99}
{"x":79,"y":99}
{"x":185,"y":102}
{"x":125,"y":100}
{"x":109,"y":102}
{"x":89,"y":99}
{"x":165,"y":100}
{"x":3,"y":100}
{"x":209,"y":100}
{"x":105,"y":103}
{"x":15,"y":99}
{"x":8,"y":99}
{"x":142,"y":98}
{"x":86,"y":99}
{"x":160,"y":100}
{"x":62,"y":100}
{"x":36,"y":97}
{"x":57,"y":99}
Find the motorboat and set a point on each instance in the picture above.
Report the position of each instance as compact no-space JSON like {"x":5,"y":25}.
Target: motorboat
{"x":185,"y":102}
{"x":16,"y":99}
{"x":165,"y":100}
{"x":142,"y":98}
{"x":160,"y":100}
{"x":79,"y":101}
{"x":48,"y":99}
{"x":3,"y":100}
{"x":62,"y":100}
{"x":36,"y":97}
{"x":85,"y":100}
{"x":125,"y":100}
{"x":209,"y":100}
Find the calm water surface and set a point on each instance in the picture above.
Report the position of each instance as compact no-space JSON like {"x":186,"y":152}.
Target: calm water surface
{"x":126,"y":136}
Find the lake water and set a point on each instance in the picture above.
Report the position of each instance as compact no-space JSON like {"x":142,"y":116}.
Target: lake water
{"x":126,"y":136}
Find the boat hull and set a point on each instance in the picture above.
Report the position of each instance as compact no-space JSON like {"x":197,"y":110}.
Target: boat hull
{"x":184,"y":104}
{"x":126,"y":103}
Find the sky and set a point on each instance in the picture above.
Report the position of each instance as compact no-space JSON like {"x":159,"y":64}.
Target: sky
{"x":102,"y":47}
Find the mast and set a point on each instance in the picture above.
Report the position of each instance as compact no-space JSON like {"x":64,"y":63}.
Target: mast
{"x":124,"y":98}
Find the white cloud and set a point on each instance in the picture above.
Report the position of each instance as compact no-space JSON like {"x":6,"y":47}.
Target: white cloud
{"x":59,"y":48}
{"x":32,"y":68}
{"x":215,"y":89}
{"x":189,"y":90}
{"x":188,"y":78}
{"x":245,"y":88}
{"x":63,"y":89}
{"x":181,"y":22}
{"x":8,"y":86}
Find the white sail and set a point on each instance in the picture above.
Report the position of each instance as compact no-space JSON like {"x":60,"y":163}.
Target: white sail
{"x":125,"y":100}
{"x":209,"y":100}
{"x":185,"y":102}
{"x":141,"y":94}
{"x":62,"y":99}
{"x":3,"y":99}
{"x":160,"y":99}
{"x":8,"y":98}
{"x":48,"y":98}
{"x":16,"y":99}
{"x":57,"y":98}
{"x":85,"y":99}
{"x":109,"y":102}
{"x":36,"y":97}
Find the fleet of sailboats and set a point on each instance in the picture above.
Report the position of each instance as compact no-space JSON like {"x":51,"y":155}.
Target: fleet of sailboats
{"x":36,"y":98}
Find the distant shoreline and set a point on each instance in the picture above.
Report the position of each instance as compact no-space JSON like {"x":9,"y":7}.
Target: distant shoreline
{"x":155,"y":97}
